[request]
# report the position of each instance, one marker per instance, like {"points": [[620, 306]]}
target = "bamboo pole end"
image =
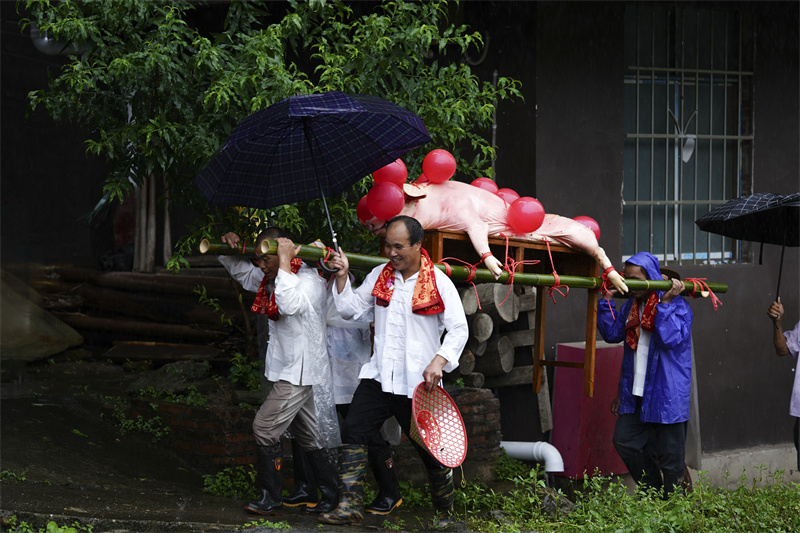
{"points": [[205, 245]]}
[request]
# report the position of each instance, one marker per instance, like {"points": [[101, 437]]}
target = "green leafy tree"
{"points": [[160, 96]]}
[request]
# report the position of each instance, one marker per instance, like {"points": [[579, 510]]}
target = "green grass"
{"points": [[764, 504]]}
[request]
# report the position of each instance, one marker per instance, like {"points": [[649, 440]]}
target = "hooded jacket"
{"points": [[668, 379]]}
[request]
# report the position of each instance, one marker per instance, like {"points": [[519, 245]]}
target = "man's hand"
{"points": [[286, 252], [433, 373], [775, 310], [677, 287], [615, 406], [231, 239], [339, 261]]}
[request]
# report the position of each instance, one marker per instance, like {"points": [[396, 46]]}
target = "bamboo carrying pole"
{"points": [[460, 273]]}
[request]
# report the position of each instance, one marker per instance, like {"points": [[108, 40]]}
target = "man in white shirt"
{"points": [[788, 342], [413, 304], [293, 296]]}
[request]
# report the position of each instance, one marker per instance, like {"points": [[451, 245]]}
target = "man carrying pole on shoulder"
{"points": [[293, 297], [656, 376], [413, 304]]}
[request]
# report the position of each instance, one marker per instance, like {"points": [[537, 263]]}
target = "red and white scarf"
{"points": [[648, 320], [426, 299], [265, 304]]}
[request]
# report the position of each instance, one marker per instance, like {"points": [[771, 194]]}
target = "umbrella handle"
{"points": [[325, 268]]}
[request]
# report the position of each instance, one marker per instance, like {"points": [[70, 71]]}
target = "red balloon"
{"points": [[507, 194], [423, 178], [395, 172], [439, 165], [525, 214], [385, 200], [362, 210], [485, 184], [590, 223]]}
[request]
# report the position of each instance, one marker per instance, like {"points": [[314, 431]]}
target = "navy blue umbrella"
{"points": [[761, 217], [308, 146]]}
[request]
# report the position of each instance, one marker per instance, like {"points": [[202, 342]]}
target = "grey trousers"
{"points": [[288, 406]]}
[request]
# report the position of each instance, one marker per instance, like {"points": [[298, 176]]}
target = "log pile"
{"points": [[492, 311], [146, 313]]}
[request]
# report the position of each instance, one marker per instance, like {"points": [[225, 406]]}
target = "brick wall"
{"points": [[211, 437], [218, 437]]}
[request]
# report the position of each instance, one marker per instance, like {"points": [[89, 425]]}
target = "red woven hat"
{"points": [[437, 426]]}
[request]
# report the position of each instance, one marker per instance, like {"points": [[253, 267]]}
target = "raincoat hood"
{"points": [[649, 263]]}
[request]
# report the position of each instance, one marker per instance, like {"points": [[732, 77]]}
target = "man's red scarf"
{"points": [[265, 304], [426, 299], [648, 321]]}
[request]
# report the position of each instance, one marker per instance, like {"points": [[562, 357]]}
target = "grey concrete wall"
{"points": [[577, 104]]}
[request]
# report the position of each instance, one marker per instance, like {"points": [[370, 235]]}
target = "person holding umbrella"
{"points": [[652, 404], [413, 304], [788, 342], [293, 296]]}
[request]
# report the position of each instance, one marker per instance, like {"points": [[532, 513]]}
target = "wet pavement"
{"points": [[63, 460]]}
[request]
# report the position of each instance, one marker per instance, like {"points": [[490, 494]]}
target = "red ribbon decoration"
{"points": [[704, 287]]}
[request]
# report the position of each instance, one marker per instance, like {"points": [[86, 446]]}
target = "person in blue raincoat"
{"points": [[655, 381]]}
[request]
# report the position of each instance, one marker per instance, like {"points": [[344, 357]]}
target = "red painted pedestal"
{"points": [[583, 426]]}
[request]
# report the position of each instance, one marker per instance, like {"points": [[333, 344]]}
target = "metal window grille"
{"points": [[688, 126]]}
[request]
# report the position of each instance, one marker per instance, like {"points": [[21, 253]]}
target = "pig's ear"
{"points": [[414, 191]]}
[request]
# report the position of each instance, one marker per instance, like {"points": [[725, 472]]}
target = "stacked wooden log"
{"points": [[491, 308], [141, 313]]}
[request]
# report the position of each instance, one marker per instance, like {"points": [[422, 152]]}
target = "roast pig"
{"points": [[457, 206]]}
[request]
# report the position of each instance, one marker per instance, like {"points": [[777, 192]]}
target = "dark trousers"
{"points": [[370, 408], [653, 453], [377, 444]]}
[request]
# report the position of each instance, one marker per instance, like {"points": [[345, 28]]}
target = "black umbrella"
{"points": [[761, 217], [308, 146]]}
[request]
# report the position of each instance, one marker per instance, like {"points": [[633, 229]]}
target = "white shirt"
{"points": [[793, 343], [297, 350], [349, 348], [405, 342], [640, 358]]}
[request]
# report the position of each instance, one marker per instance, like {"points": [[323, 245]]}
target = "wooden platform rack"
{"points": [[442, 244]]}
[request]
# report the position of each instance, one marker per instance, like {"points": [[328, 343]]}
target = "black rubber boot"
{"points": [[305, 492], [443, 494], [352, 472], [388, 498], [324, 464], [268, 480]]}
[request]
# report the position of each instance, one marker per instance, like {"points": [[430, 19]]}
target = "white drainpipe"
{"points": [[541, 452]]}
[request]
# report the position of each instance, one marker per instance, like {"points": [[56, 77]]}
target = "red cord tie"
{"points": [[448, 270], [556, 280], [244, 245], [703, 288], [604, 291], [510, 266]]}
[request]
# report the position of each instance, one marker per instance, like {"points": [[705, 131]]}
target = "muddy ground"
{"points": [[63, 461]]}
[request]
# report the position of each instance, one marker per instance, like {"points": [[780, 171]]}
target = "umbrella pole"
{"points": [[328, 215], [780, 271], [310, 141]]}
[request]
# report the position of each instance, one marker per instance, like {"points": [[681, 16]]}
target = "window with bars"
{"points": [[688, 128]]}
